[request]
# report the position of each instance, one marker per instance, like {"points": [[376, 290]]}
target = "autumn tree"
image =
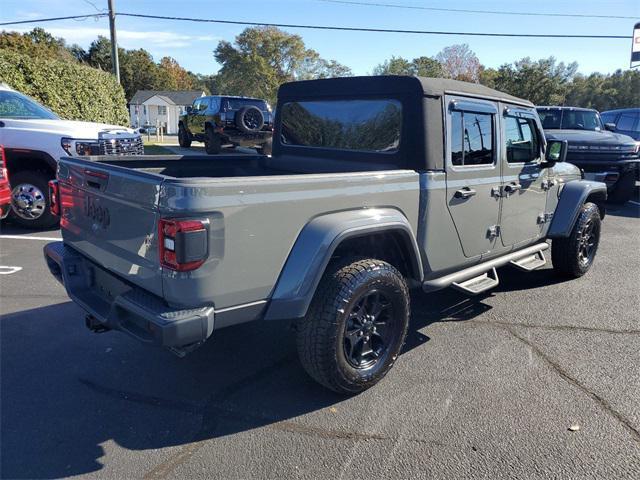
{"points": [[460, 63]]}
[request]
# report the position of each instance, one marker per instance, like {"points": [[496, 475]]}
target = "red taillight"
{"points": [[3, 165], [183, 244], [54, 197]]}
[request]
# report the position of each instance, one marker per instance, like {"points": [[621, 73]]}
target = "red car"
{"points": [[5, 189]]}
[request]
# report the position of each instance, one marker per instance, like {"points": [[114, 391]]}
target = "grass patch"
{"points": [[151, 149]]}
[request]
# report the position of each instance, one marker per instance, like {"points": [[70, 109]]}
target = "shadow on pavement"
{"points": [[66, 392]]}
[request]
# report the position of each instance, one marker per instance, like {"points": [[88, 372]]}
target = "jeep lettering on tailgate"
{"points": [[96, 212]]}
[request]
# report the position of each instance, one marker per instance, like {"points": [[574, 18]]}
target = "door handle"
{"points": [[465, 192], [512, 187]]}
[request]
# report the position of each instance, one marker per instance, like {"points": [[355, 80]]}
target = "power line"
{"points": [[53, 19], [376, 30], [463, 10], [324, 27]]}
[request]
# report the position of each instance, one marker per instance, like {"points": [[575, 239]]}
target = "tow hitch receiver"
{"points": [[94, 325]]}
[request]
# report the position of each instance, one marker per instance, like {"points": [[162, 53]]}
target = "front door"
{"points": [[197, 116], [524, 195], [473, 173]]}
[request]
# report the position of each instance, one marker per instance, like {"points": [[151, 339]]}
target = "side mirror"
{"points": [[556, 152], [610, 126], [189, 109]]}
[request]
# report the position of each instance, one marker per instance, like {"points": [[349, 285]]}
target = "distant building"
{"points": [[161, 107]]}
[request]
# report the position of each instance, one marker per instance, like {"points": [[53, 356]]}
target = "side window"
{"points": [[608, 117], [214, 104], [471, 138], [626, 121], [521, 139]]}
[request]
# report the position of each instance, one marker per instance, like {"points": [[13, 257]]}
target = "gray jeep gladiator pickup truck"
{"points": [[377, 185]]}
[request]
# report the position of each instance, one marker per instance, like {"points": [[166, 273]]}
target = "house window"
{"points": [[162, 110], [144, 109]]}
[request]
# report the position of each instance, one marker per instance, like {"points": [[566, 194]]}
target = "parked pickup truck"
{"points": [[594, 147], [377, 185], [34, 138]]}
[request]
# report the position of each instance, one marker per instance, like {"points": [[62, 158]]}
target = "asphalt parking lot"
{"points": [[486, 387]]}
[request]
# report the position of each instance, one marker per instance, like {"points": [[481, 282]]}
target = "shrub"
{"points": [[73, 91]]}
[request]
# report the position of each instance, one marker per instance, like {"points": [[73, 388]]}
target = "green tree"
{"points": [[262, 58], [37, 43], [420, 67], [543, 82]]}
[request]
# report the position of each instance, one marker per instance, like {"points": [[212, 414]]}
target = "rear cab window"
{"points": [[373, 125]]}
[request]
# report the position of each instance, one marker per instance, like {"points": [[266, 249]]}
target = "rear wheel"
{"points": [[356, 325], [212, 142], [30, 205], [184, 137], [624, 188], [574, 255]]}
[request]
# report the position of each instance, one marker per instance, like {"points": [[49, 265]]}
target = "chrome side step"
{"points": [[530, 263], [478, 284]]}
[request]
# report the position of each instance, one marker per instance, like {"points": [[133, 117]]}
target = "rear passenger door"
{"points": [[473, 173], [523, 192]]}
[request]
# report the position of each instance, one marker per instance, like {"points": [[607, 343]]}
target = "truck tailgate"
{"points": [[110, 214]]}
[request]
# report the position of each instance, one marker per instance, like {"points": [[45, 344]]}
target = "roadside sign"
{"points": [[635, 47]]}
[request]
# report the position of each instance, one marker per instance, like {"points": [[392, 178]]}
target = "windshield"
{"points": [[563, 118], [16, 105]]}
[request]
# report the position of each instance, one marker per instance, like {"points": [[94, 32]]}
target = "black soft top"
{"points": [[393, 84]]}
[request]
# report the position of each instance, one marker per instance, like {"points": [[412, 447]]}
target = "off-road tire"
{"points": [[566, 252], [249, 119], [212, 142], [321, 335], [266, 148], [184, 137], [623, 189], [41, 181]]}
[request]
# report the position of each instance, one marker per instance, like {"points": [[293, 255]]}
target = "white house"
{"points": [[161, 107]]}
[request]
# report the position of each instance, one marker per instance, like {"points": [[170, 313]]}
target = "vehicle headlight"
{"points": [[80, 147]]}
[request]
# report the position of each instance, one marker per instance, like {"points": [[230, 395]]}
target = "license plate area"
{"points": [[105, 285]]}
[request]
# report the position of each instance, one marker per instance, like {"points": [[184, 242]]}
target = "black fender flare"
{"points": [[315, 245], [572, 196]]}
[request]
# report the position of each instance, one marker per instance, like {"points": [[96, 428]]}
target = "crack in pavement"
{"points": [[604, 404]]}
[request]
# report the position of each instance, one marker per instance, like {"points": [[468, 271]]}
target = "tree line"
{"points": [[262, 58]]}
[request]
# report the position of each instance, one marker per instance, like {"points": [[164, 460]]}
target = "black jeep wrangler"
{"points": [[220, 120]]}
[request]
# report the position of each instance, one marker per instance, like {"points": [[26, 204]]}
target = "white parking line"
{"points": [[9, 270], [635, 203], [25, 237]]}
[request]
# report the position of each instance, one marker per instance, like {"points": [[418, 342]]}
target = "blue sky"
{"points": [[192, 44]]}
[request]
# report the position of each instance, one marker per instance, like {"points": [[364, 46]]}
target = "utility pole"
{"points": [[114, 42]]}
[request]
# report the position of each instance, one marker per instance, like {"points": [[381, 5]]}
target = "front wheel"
{"points": [[265, 148], [212, 142], [574, 255], [624, 188], [184, 138], [356, 325], [30, 205]]}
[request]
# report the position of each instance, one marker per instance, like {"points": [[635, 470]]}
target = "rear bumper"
{"points": [[115, 304]]}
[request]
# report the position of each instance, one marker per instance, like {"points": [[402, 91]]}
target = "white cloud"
{"points": [[127, 38]]}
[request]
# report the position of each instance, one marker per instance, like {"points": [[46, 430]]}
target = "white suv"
{"points": [[34, 138]]}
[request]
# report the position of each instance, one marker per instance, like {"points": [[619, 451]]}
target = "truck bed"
{"points": [[192, 166]]}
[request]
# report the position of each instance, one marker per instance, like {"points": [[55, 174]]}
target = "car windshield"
{"points": [[16, 105], [565, 119]]}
